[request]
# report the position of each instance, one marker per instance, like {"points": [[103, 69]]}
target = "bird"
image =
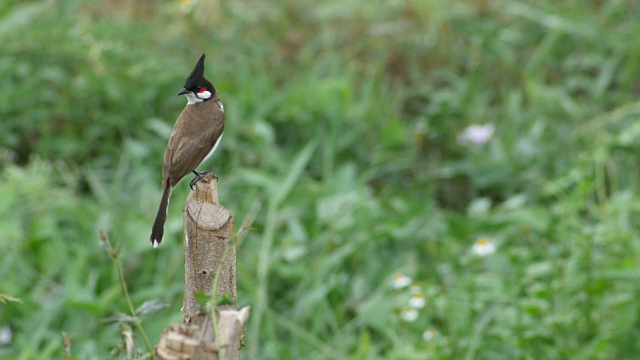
{"points": [[194, 138]]}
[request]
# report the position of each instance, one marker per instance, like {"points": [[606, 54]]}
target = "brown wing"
{"points": [[194, 135]]}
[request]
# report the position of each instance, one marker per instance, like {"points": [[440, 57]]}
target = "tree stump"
{"points": [[209, 253]]}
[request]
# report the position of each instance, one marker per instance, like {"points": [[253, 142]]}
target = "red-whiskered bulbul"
{"points": [[194, 138]]}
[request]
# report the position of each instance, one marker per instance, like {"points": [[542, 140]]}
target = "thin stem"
{"points": [[264, 262], [138, 324], [114, 254]]}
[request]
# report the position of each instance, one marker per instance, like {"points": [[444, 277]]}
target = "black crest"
{"points": [[196, 76]]}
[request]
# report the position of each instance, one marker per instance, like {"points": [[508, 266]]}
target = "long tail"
{"points": [[158, 225]]}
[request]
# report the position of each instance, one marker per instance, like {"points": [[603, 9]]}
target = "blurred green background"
{"points": [[431, 179]]}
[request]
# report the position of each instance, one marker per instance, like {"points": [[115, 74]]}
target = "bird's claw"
{"points": [[199, 176]]}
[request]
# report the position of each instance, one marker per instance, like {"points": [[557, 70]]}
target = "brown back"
{"points": [[195, 133]]}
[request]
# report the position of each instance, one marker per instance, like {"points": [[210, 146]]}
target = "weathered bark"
{"points": [[207, 249], [195, 342], [207, 234]]}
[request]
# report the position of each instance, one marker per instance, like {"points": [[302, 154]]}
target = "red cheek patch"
{"points": [[203, 89]]}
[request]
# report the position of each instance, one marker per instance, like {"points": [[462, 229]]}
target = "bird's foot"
{"points": [[199, 176]]}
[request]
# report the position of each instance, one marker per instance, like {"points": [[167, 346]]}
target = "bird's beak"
{"points": [[183, 91]]}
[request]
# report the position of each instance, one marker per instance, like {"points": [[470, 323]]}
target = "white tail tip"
{"points": [[155, 243]]}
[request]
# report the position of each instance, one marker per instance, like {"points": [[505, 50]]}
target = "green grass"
{"points": [[343, 125]]}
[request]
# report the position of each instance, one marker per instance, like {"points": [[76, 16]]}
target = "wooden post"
{"points": [[207, 234], [208, 249]]}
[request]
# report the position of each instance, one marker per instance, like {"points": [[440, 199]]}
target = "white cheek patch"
{"points": [[192, 99], [204, 95]]}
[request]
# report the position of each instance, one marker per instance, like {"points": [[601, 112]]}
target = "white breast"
{"points": [[215, 146]]}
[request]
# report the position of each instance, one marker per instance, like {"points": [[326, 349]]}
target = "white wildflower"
{"points": [[6, 335], [400, 281], [483, 247], [477, 134], [409, 314], [417, 301], [429, 334]]}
